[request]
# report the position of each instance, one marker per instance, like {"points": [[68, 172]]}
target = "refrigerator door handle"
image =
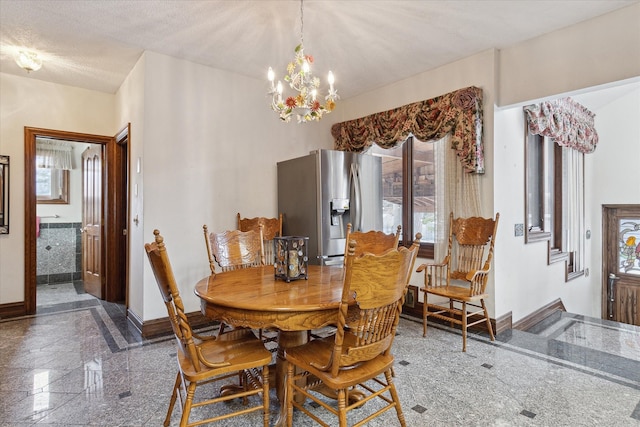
{"points": [[357, 217]]}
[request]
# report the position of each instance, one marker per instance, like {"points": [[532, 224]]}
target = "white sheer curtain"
{"points": [[457, 191], [53, 154], [575, 229]]}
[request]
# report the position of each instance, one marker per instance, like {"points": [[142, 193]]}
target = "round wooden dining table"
{"points": [[255, 298]]}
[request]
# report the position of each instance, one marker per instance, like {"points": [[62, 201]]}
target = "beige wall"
{"points": [[193, 133], [32, 103], [589, 54], [478, 70], [524, 281]]}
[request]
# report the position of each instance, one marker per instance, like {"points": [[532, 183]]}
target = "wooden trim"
{"points": [[115, 196], [162, 326], [502, 323], [134, 320], [12, 309], [539, 315], [30, 265]]}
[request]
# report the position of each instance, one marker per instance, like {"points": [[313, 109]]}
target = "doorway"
{"points": [[621, 263], [114, 242]]}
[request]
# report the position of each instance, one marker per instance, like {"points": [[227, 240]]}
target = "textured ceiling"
{"points": [[367, 44]]}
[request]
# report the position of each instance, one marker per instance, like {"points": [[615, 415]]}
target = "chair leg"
{"points": [[191, 391], [464, 326], [288, 395], [451, 308], [486, 316], [395, 398], [265, 395], [342, 407], [425, 309], [172, 402]]}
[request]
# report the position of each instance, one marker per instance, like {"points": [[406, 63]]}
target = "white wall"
{"points": [[589, 54], [71, 212], [477, 70], [33, 103], [524, 281], [209, 145]]}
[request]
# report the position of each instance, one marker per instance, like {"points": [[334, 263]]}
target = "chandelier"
{"points": [[304, 101]]}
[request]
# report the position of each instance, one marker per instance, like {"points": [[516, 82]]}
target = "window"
{"points": [[408, 187], [52, 186], [53, 162], [554, 204]]}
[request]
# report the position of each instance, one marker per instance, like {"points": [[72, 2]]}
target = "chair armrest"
{"points": [[435, 275], [478, 281]]}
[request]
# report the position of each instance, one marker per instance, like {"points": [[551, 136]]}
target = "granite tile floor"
{"points": [[78, 363]]}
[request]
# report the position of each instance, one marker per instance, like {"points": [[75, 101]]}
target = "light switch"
{"points": [[518, 230]]}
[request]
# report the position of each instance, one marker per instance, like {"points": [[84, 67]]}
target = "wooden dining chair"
{"points": [[271, 227], [203, 360], [352, 359], [234, 249], [462, 276], [375, 242]]}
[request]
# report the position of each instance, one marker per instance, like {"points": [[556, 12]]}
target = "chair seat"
{"points": [[321, 349], [456, 292], [242, 353]]}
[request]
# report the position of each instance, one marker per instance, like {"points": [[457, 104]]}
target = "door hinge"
{"points": [[124, 232]]}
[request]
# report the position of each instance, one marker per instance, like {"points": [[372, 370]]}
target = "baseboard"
{"points": [[134, 320], [162, 326], [539, 315], [12, 309], [502, 323]]}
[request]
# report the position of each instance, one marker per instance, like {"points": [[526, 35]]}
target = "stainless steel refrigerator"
{"points": [[319, 194]]}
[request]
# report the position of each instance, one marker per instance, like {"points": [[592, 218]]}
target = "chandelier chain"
{"points": [[301, 23]]}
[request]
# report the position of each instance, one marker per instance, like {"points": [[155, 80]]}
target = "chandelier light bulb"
{"points": [[28, 60], [271, 75]]}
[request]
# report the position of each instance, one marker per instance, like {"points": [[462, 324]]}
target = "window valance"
{"points": [[568, 122], [458, 113], [53, 154]]}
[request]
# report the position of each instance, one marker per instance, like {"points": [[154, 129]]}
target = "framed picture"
{"points": [[412, 297]]}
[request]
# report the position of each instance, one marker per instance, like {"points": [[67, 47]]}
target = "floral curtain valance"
{"points": [[568, 122], [53, 154], [458, 113]]}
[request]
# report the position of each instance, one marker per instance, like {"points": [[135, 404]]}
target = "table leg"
{"points": [[286, 339]]}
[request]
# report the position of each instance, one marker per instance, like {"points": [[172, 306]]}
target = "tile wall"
{"points": [[59, 253]]}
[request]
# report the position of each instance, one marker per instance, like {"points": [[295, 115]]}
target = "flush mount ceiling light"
{"points": [[303, 102], [28, 60]]}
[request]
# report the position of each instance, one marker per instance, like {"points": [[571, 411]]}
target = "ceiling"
{"points": [[367, 44]]}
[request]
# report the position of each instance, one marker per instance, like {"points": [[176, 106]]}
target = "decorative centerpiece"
{"points": [[291, 260]]}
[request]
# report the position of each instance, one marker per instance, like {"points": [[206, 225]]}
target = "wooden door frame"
{"points": [[609, 257], [115, 215]]}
